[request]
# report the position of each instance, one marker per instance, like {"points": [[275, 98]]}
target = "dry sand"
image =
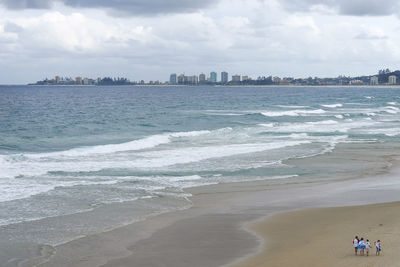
{"points": [[323, 237]]}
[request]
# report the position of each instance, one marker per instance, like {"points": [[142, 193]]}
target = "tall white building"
{"points": [[374, 81], [392, 79]]}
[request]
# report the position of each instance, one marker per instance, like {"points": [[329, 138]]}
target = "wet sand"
{"points": [[212, 232], [323, 237]]}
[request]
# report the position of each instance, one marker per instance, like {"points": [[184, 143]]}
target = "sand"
{"points": [[323, 237], [212, 233]]}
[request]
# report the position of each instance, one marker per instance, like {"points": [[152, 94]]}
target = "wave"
{"points": [[28, 167], [326, 126], [293, 113], [327, 122], [391, 110], [140, 144], [163, 158], [20, 188], [332, 105]]}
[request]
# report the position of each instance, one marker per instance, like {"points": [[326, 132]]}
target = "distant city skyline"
{"points": [[384, 77], [147, 39]]}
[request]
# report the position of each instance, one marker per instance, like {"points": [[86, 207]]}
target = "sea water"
{"points": [[83, 150]]}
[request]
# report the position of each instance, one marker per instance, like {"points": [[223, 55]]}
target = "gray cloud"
{"points": [[348, 7], [12, 27], [370, 36], [25, 4], [127, 7]]}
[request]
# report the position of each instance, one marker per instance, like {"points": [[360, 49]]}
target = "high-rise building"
{"points": [[85, 81], [245, 78], [213, 77], [78, 80], [202, 78], [224, 77], [172, 78], [236, 78], [374, 80], [392, 79], [191, 79], [181, 79], [57, 79]]}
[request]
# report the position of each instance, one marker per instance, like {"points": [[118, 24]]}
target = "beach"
{"points": [[227, 226], [128, 184], [323, 237]]}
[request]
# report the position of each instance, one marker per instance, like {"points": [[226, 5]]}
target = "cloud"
{"points": [[12, 27], [371, 33], [53, 33], [234, 35], [25, 4], [346, 7], [124, 7]]}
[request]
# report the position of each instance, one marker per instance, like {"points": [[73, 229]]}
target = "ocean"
{"points": [[82, 150]]}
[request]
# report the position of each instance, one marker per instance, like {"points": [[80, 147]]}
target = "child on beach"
{"points": [[378, 247], [355, 244], [367, 247], [361, 246]]}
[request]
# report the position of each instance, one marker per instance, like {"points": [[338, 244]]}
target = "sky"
{"points": [[150, 39]]}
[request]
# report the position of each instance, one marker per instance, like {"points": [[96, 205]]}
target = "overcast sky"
{"points": [[149, 39]]}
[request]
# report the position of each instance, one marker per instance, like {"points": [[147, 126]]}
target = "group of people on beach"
{"points": [[365, 245]]}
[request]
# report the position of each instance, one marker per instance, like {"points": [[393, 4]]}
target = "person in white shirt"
{"points": [[361, 246], [355, 244], [367, 247], [378, 247]]}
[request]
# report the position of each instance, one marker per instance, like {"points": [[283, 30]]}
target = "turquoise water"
{"points": [[67, 150]]}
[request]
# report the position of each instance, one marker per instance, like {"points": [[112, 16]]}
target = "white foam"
{"points": [[13, 189], [332, 105], [266, 124], [327, 122], [185, 178], [339, 116], [141, 159], [293, 113], [391, 110], [391, 132], [195, 154], [145, 143], [392, 103], [299, 135], [326, 126]]}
